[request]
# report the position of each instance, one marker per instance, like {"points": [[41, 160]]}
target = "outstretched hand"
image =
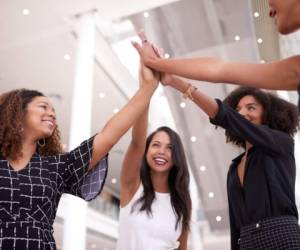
{"points": [[147, 76], [148, 52]]}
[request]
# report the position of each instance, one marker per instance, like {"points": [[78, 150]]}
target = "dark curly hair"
{"points": [[277, 113], [178, 180], [13, 105]]}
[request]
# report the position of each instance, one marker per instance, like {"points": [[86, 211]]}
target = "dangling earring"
{"points": [[42, 142]]}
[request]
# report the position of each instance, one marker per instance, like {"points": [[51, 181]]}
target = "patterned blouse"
{"points": [[29, 198]]}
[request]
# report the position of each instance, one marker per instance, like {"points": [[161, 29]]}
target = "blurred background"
{"points": [[79, 54]]}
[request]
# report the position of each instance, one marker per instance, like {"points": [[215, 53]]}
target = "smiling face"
{"points": [[159, 154], [286, 14], [39, 119], [251, 109]]}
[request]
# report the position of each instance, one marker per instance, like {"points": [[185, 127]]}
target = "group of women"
{"points": [[35, 172]]}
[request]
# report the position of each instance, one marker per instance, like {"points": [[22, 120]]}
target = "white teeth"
{"points": [[160, 161]]}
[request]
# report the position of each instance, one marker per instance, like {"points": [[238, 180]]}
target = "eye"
{"points": [[251, 108], [43, 107]]}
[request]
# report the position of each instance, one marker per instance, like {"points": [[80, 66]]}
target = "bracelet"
{"points": [[188, 93]]}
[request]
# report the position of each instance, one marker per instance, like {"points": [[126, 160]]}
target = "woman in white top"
{"points": [[155, 200]]}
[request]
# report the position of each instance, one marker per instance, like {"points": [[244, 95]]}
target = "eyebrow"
{"points": [[169, 144], [249, 104]]}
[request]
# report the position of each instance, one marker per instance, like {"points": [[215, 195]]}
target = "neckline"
{"points": [[11, 168]]}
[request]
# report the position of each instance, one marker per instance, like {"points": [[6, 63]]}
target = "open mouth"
{"points": [[160, 161]]}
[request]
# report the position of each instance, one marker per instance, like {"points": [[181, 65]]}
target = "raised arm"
{"points": [[130, 172], [119, 124], [283, 74]]}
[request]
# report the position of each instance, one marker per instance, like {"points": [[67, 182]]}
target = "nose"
{"points": [[52, 114], [243, 112]]}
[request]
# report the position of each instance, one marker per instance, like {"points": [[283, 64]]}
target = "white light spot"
{"points": [[202, 168], [25, 12], [116, 110], [67, 57], [182, 105], [113, 180], [211, 195], [146, 14], [259, 40], [167, 55], [101, 95], [237, 38], [193, 138], [218, 218]]}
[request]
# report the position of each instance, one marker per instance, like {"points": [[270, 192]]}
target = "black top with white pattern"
{"points": [[29, 198]]}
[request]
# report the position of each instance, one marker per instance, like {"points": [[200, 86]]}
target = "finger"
{"points": [[155, 49], [142, 36], [137, 46]]}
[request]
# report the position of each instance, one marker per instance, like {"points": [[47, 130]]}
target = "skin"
{"points": [[159, 151], [40, 121], [253, 111], [281, 75]]}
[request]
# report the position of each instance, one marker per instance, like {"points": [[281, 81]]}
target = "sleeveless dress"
{"points": [[140, 231]]}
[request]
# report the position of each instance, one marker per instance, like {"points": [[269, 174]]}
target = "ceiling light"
{"points": [[167, 55], [202, 168], [262, 61], [256, 14], [211, 195], [116, 111], [259, 40], [218, 218], [146, 14], [193, 138], [25, 12], [101, 95], [182, 105], [237, 38], [67, 57], [113, 180]]}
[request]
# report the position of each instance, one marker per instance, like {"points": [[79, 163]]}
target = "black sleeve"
{"points": [[269, 140], [234, 231]]}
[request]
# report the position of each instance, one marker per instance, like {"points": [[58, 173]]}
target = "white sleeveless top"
{"points": [[138, 231]]}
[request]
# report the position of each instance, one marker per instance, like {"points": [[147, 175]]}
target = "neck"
{"points": [[160, 182], [248, 146], [28, 148]]}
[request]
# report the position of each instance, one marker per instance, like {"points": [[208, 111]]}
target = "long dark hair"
{"points": [[178, 180], [13, 107], [278, 114]]}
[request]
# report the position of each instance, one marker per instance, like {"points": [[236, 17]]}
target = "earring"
{"points": [[42, 142]]}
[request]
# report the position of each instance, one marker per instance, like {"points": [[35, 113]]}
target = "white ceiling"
{"points": [[32, 48]]}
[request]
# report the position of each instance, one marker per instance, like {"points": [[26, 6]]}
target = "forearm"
{"points": [[203, 69], [139, 130], [119, 124], [203, 101]]}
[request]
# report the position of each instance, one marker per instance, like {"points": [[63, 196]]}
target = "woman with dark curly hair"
{"points": [[34, 171], [154, 188], [260, 181]]}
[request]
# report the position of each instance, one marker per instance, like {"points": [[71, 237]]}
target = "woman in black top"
{"points": [[261, 181], [282, 74], [34, 171]]}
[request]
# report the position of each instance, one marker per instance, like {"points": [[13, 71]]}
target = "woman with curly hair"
{"points": [[260, 181], [154, 188], [34, 171]]}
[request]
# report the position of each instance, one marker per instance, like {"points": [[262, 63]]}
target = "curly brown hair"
{"points": [[13, 105], [278, 114]]}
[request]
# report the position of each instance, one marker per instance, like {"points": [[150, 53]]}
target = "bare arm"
{"points": [[119, 124], [283, 74], [203, 101], [183, 239], [130, 172]]}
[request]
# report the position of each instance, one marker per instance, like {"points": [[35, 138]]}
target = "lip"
{"points": [[160, 161], [49, 123]]}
